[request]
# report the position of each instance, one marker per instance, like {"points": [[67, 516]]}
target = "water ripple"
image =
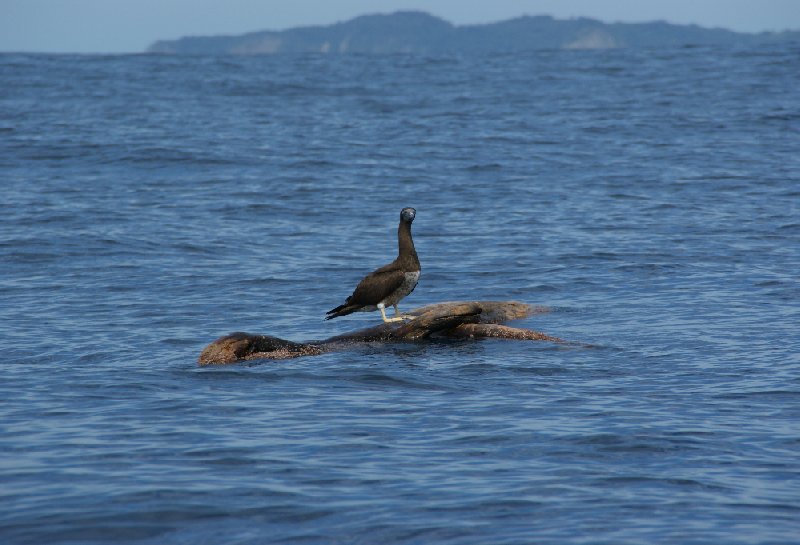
{"points": [[646, 197]]}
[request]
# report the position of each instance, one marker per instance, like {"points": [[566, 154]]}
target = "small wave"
{"points": [[383, 380], [766, 395], [637, 481]]}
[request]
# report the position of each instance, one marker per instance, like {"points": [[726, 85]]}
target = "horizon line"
{"points": [[143, 50]]}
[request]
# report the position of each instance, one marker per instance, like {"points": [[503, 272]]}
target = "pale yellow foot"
{"points": [[391, 320], [398, 316], [387, 319]]}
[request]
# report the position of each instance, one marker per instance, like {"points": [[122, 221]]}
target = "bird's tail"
{"points": [[341, 310]]}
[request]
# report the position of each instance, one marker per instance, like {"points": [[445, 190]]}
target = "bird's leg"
{"points": [[401, 316], [382, 308]]}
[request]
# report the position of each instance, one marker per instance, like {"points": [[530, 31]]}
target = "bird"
{"points": [[388, 285]]}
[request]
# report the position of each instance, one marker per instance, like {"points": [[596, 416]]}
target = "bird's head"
{"points": [[407, 214]]}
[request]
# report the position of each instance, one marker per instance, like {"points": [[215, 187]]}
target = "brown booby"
{"points": [[389, 284]]}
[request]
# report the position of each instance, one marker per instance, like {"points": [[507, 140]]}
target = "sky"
{"points": [[129, 26]]}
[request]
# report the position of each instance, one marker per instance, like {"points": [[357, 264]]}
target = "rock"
{"points": [[457, 319]]}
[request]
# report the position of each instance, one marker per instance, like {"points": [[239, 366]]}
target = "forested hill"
{"points": [[418, 32]]}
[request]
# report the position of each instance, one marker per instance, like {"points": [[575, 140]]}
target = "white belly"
{"points": [[408, 285]]}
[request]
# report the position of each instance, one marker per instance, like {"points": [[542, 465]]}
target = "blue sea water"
{"points": [[153, 203]]}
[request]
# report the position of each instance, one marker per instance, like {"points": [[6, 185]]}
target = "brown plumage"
{"points": [[389, 284]]}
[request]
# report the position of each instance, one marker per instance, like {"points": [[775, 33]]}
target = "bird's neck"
{"points": [[408, 255]]}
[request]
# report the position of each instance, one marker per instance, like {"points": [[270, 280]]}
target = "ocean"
{"points": [[649, 198]]}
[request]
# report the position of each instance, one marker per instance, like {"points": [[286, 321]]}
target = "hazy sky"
{"points": [[115, 26]]}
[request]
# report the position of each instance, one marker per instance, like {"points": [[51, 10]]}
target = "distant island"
{"points": [[419, 32]]}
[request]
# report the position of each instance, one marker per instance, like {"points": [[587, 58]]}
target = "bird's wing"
{"points": [[377, 286]]}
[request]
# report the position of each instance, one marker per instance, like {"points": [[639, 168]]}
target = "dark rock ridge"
{"points": [[418, 32]]}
